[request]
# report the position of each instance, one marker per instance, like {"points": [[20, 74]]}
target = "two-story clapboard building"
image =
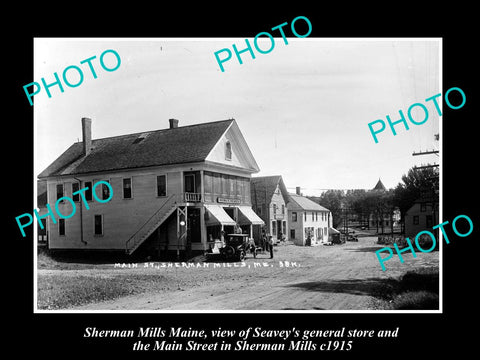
{"points": [[177, 189], [269, 200], [310, 223]]}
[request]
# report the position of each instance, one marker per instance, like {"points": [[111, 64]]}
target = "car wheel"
{"points": [[242, 255], [229, 251]]}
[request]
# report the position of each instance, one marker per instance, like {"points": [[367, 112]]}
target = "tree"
{"points": [[416, 184], [356, 202], [332, 200]]}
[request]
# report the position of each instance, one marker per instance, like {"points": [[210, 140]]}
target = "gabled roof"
{"points": [[298, 202], [263, 187], [184, 144]]}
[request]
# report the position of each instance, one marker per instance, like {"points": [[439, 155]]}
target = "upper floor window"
{"points": [[105, 191], [88, 192], [423, 207], [59, 191], [294, 216], [127, 188], [228, 150], [162, 185], [75, 188]]}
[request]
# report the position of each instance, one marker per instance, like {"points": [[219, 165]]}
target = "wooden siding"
{"points": [[301, 224], [412, 229], [241, 156], [122, 217]]}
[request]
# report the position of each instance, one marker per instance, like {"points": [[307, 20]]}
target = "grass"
{"points": [[60, 292], [71, 260], [415, 290], [63, 291]]}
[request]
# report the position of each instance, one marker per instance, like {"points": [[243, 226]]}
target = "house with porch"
{"points": [[174, 190], [269, 200], [309, 222]]}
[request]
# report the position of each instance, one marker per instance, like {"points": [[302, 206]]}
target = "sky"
{"points": [[303, 108]]}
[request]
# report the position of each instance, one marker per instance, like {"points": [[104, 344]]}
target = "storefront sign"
{"points": [[228, 201]]}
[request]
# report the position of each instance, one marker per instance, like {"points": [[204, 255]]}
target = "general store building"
{"points": [[174, 190]]}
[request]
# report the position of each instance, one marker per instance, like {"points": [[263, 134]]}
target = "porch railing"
{"points": [[192, 197]]}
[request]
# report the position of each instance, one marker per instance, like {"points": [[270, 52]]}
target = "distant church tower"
{"points": [[379, 186]]}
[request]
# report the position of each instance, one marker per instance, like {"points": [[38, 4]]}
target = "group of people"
{"points": [[267, 242]]}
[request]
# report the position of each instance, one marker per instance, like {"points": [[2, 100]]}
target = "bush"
{"points": [[425, 242], [426, 279], [415, 290]]}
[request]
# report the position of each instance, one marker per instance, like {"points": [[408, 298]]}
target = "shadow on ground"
{"points": [[313, 308], [365, 249], [416, 290], [380, 288]]}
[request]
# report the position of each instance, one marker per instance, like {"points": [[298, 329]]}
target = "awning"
{"points": [[217, 216], [333, 231], [247, 216]]}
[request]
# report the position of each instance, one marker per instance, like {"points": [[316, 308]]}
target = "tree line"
{"points": [[361, 205]]}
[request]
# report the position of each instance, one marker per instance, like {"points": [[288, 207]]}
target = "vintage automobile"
{"points": [[236, 246]]}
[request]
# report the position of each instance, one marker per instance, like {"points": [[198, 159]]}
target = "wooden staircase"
{"points": [[152, 224]]}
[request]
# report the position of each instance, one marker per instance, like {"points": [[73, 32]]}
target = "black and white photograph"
{"points": [[296, 180], [228, 181]]}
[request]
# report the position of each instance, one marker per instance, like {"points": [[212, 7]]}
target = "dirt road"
{"points": [[341, 277]]}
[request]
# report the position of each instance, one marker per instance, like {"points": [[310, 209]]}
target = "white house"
{"points": [[309, 222]]}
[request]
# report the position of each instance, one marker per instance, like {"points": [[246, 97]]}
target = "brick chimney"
{"points": [[173, 123], [297, 190], [87, 135]]}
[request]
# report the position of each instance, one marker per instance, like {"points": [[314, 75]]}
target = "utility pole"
{"points": [[432, 192], [425, 152], [428, 152], [426, 166]]}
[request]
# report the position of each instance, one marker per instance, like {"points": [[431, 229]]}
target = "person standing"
{"points": [[264, 239], [270, 245]]}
